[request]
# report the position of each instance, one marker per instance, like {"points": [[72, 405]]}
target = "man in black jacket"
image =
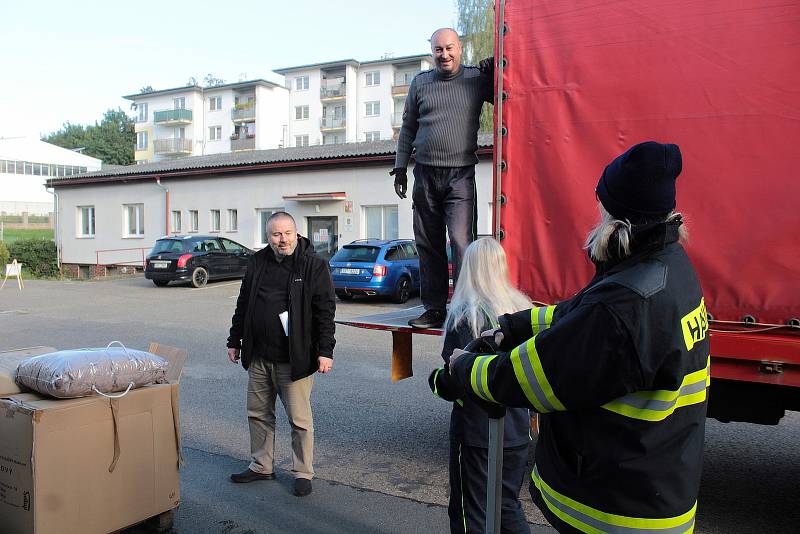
{"points": [[282, 330]]}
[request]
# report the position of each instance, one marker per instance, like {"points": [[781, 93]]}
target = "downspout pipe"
{"points": [[166, 197], [56, 224]]}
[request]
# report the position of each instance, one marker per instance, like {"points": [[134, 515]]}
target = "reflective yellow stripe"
{"points": [[594, 521], [659, 404], [530, 375], [435, 385], [479, 377], [541, 317]]}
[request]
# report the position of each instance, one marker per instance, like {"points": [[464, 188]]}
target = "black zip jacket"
{"points": [[312, 306], [619, 372]]}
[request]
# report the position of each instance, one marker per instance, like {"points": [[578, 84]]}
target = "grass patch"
{"points": [[15, 234]]}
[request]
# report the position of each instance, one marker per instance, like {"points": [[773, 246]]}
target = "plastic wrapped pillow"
{"points": [[83, 372]]}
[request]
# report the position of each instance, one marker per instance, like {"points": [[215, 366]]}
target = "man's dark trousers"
{"points": [[443, 197]]}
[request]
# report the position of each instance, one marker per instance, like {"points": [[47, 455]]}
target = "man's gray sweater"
{"points": [[441, 118]]}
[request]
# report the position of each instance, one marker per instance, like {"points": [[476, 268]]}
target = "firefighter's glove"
{"points": [[442, 385], [400, 181], [486, 66]]}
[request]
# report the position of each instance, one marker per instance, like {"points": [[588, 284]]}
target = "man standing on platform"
{"points": [[440, 122]]}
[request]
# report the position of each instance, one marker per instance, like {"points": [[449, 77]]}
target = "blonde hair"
{"points": [[483, 291], [597, 242]]}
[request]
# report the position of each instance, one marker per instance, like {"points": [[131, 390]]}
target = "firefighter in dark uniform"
{"points": [[619, 372]]}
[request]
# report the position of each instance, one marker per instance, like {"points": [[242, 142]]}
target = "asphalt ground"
{"points": [[381, 448]]}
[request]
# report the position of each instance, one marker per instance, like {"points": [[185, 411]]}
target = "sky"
{"points": [[71, 61]]}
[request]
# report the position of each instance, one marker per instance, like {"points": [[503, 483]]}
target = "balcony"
{"points": [[244, 112], [173, 146], [327, 124], [400, 89], [397, 119], [244, 143], [333, 90], [173, 116]]}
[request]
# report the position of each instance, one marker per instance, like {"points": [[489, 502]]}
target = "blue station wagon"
{"points": [[376, 267]]}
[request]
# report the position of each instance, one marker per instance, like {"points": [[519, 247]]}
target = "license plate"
{"points": [[349, 271], [159, 264]]}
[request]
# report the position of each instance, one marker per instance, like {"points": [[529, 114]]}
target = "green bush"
{"points": [[36, 255], [4, 255]]}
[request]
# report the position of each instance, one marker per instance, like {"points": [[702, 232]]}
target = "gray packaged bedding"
{"points": [[82, 372]]}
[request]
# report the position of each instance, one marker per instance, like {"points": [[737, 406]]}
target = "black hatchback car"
{"points": [[195, 259]]}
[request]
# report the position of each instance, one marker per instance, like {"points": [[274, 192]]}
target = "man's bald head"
{"points": [[446, 50]]}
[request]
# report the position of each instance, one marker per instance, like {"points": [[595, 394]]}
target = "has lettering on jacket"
{"points": [[695, 325]]}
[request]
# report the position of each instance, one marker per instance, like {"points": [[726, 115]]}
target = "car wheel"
{"points": [[402, 291], [199, 277], [160, 283]]}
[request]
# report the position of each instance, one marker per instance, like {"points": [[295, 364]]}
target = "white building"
{"points": [[325, 103], [25, 165], [196, 121], [337, 194], [347, 101]]}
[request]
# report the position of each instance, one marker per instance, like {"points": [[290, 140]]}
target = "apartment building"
{"points": [[349, 101], [197, 121]]}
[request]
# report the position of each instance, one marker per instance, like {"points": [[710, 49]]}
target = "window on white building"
{"points": [[373, 78], [373, 108], [177, 227], [179, 103], [233, 220], [142, 112], [134, 220], [194, 220], [141, 141], [214, 221], [86, 221], [373, 136], [214, 133], [215, 103], [263, 216], [380, 222], [300, 112], [301, 83], [332, 139], [300, 140]]}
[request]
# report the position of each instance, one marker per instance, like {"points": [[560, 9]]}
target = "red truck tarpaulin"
{"points": [[585, 80]]}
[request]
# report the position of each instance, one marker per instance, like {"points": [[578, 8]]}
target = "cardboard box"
{"points": [[90, 465]]}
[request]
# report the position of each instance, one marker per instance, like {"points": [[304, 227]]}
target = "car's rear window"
{"points": [[168, 245], [357, 253]]}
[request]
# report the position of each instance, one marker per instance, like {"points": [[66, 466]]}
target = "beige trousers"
{"points": [[266, 381]]}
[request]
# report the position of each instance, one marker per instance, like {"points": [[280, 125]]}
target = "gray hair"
{"points": [[483, 291], [280, 215], [597, 242]]}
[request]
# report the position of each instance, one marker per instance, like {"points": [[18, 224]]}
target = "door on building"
{"points": [[324, 235]]}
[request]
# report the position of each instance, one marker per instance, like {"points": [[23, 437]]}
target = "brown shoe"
{"points": [[251, 476]]}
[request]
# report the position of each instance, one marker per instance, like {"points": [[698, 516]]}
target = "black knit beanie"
{"points": [[639, 185]]}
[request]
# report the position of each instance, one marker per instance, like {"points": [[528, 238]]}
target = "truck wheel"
{"points": [[402, 291], [160, 283], [199, 277]]}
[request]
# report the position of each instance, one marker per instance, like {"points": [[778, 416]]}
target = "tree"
{"points": [[112, 140], [476, 26], [211, 81], [146, 89]]}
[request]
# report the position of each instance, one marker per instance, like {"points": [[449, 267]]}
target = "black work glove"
{"points": [[486, 66], [442, 385], [400, 181]]}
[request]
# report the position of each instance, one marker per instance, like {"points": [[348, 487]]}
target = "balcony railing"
{"points": [[173, 116], [173, 146], [243, 143], [332, 123], [400, 89], [242, 112], [333, 90], [397, 119]]}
